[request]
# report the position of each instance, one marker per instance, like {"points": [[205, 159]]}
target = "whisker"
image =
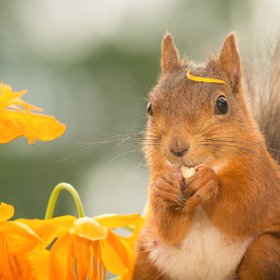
{"points": [[104, 158], [116, 121], [145, 89], [240, 148], [136, 97], [129, 166]]}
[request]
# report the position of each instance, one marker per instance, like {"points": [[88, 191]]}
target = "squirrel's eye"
{"points": [[150, 110], [221, 106]]}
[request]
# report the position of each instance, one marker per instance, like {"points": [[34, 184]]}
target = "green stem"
{"points": [[130, 228], [54, 195]]}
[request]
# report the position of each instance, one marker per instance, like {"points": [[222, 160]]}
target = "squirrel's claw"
{"points": [[167, 188], [200, 188]]}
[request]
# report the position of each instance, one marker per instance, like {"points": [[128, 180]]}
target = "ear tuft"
{"points": [[170, 58], [230, 59]]}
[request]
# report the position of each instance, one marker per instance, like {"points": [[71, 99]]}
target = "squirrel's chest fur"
{"points": [[205, 254]]}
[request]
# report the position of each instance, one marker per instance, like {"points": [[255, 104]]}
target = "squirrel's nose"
{"points": [[178, 148]]}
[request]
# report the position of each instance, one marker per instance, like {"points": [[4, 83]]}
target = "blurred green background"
{"points": [[91, 65]]}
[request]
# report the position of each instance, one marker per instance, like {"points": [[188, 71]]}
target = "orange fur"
{"points": [[237, 182], [262, 260]]}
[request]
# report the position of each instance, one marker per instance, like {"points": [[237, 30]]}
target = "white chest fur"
{"points": [[205, 254]]}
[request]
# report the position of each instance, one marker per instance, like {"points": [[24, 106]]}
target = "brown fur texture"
{"points": [[237, 182]]}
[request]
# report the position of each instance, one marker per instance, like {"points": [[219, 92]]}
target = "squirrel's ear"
{"points": [[169, 58], [230, 59]]}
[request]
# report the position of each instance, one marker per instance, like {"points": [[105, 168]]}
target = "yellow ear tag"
{"points": [[201, 79]]}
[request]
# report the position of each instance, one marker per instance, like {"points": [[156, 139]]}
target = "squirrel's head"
{"points": [[194, 122]]}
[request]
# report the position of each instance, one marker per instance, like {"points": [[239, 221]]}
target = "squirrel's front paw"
{"points": [[201, 187], [167, 188]]}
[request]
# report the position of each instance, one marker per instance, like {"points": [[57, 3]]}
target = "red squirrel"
{"points": [[223, 223]]}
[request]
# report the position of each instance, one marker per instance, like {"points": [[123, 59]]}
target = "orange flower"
{"points": [[22, 255], [86, 247], [16, 119]]}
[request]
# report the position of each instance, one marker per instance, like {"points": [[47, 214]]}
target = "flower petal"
{"points": [[50, 229], [59, 256], [82, 253], [116, 221], [9, 130], [4, 260], [8, 98], [44, 128], [6, 211], [138, 226], [88, 228], [29, 222], [30, 125], [39, 260], [19, 237], [116, 254], [7, 94], [33, 265]]}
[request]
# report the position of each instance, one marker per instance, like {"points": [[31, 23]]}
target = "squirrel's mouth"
{"points": [[175, 163], [191, 165]]}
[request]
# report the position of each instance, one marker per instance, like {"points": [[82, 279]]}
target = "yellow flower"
{"points": [[22, 255], [86, 247], [16, 119]]}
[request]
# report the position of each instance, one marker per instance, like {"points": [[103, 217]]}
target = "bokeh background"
{"points": [[91, 64]]}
